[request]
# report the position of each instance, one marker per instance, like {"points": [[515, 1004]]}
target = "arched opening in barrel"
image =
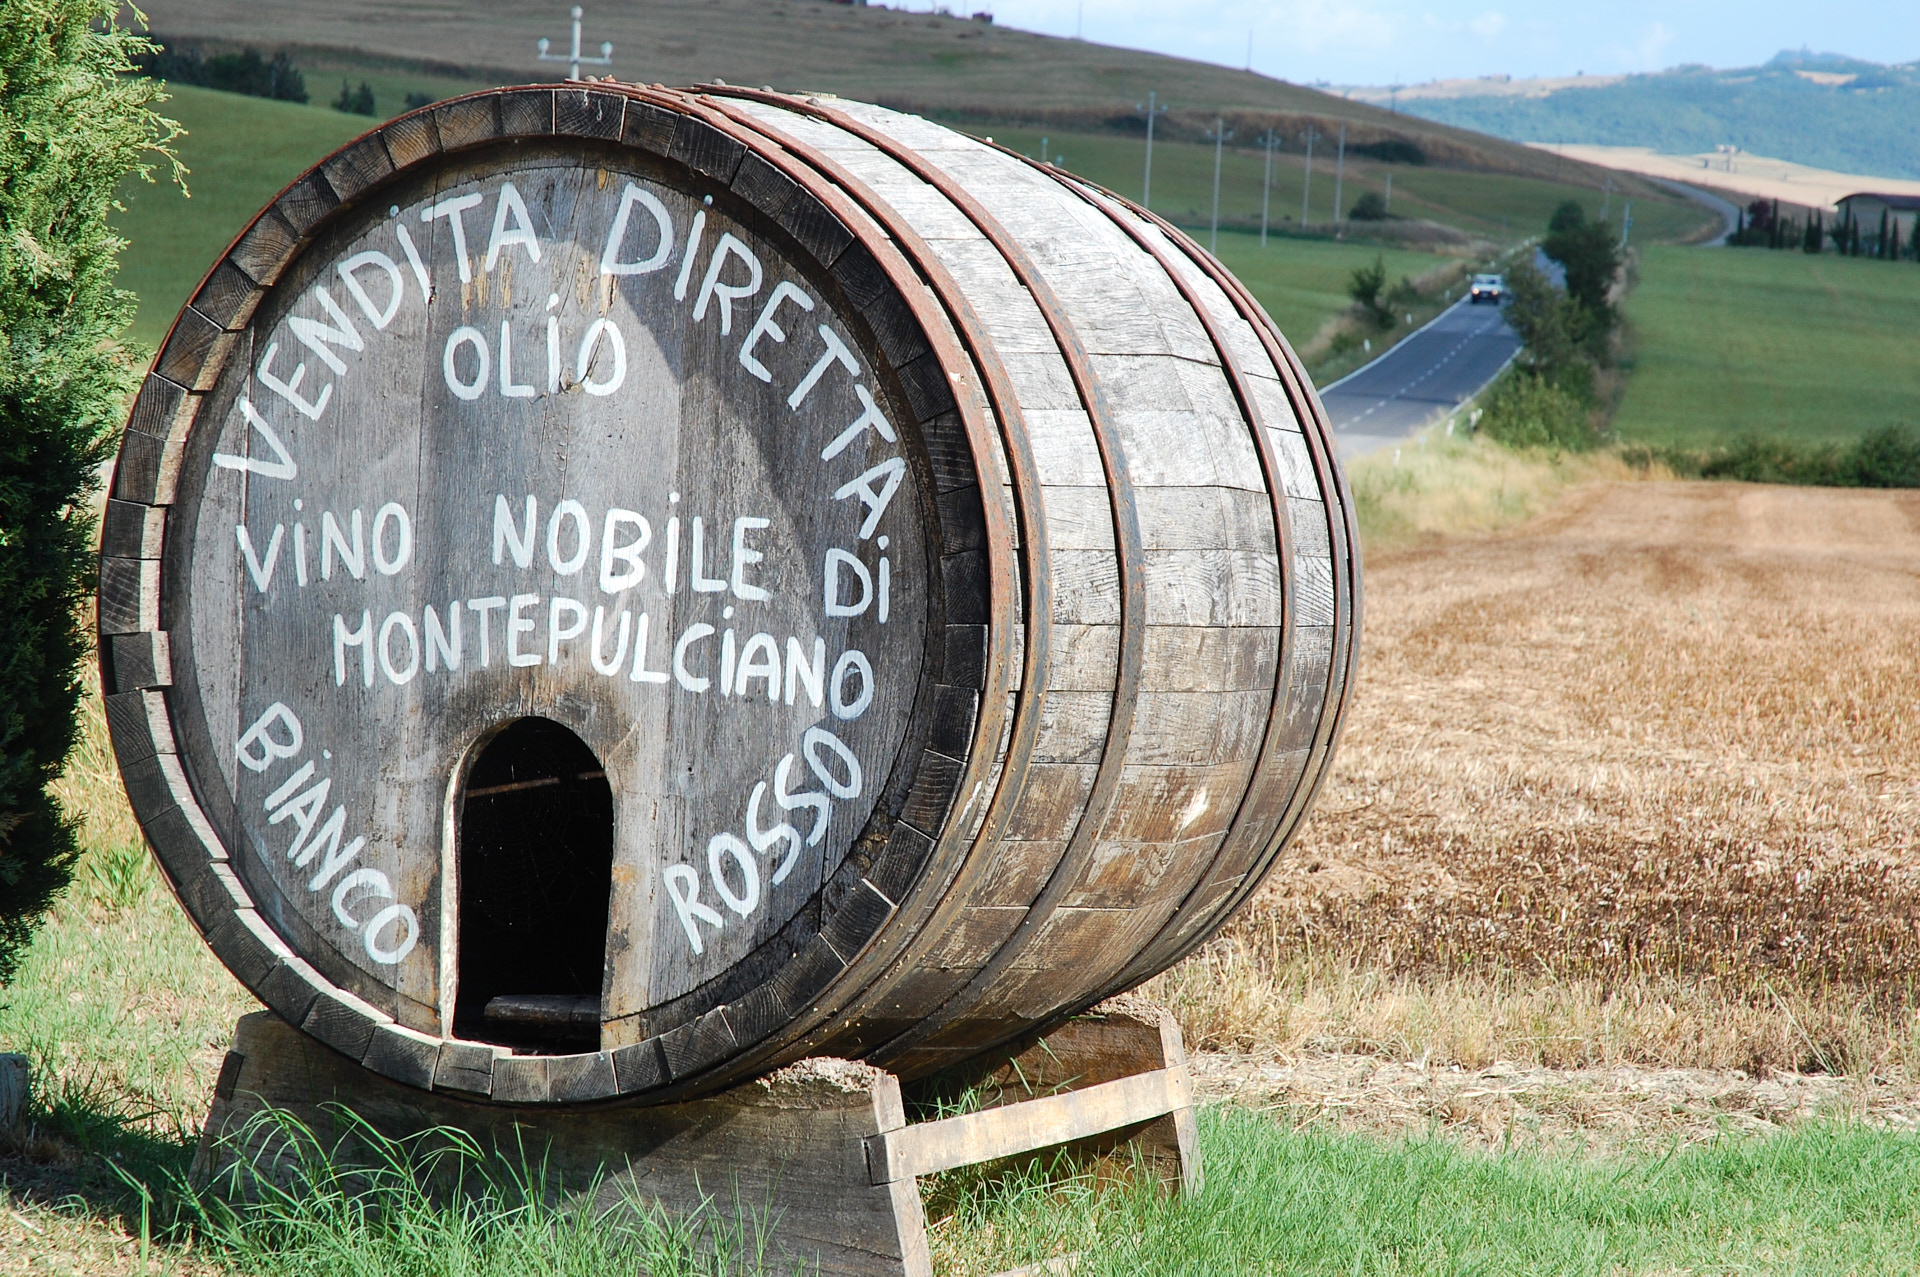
{"points": [[535, 859]]}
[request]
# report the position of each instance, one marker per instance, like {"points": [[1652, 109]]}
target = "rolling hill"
{"points": [[1822, 110], [947, 67]]}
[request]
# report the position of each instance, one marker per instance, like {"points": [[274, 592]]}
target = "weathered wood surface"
{"points": [[820, 1152], [1123, 1038], [752, 439], [787, 1152]]}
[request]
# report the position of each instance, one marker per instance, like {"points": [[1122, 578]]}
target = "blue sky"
{"points": [[1384, 41]]}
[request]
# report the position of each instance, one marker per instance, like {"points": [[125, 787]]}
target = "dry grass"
{"points": [[1633, 782], [1442, 482]]}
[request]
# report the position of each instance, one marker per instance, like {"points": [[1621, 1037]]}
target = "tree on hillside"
{"points": [[73, 123], [1553, 330], [1365, 285], [1590, 252], [1568, 216]]}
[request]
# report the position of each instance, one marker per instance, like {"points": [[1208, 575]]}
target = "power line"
{"points": [[1339, 175], [1306, 187], [1269, 139], [1151, 111], [1220, 134]]}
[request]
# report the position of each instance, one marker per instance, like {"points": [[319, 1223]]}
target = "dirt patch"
{"points": [[1599, 1109]]}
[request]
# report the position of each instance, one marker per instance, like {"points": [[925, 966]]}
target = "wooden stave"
{"points": [[784, 1039], [1280, 371]]}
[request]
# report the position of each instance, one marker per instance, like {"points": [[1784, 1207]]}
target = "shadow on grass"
{"points": [[358, 1203], [77, 1147]]}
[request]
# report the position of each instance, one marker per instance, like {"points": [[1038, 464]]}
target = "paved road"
{"points": [[1420, 380], [1729, 211]]}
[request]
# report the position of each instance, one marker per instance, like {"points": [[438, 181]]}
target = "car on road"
{"points": [[1487, 288]]}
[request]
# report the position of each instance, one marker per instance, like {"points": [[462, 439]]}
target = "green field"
{"points": [[1286, 1199], [1303, 282], [241, 151], [1494, 206], [1748, 342]]}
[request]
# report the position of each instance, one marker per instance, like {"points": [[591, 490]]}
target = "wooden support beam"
{"points": [[821, 1150], [930, 1147]]}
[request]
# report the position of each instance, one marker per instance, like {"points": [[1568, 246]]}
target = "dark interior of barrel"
{"points": [[535, 860]]}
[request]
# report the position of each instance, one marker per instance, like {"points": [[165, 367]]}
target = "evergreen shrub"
{"points": [[74, 121]]}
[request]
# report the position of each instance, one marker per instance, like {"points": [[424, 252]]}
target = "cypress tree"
{"points": [[74, 121]]}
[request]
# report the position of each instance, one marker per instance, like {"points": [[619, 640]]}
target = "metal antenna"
{"points": [[1220, 134], [1269, 139], [574, 59], [1150, 110]]}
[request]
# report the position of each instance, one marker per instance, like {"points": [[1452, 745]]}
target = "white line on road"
{"points": [[1466, 339]]}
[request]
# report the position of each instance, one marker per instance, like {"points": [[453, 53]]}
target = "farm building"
{"points": [[1868, 207]]}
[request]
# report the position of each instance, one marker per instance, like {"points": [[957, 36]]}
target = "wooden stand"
{"points": [[821, 1151]]}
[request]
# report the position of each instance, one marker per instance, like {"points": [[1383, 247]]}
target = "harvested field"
{"points": [[1634, 780]]}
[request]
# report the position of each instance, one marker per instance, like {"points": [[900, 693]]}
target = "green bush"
{"points": [[243, 72], [354, 101], [1370, 207], [1885, 458], [1525, 411], [73, 123], [1365, 285]]}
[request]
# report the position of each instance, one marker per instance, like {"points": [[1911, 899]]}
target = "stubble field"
{"points": [[1632, 782]]}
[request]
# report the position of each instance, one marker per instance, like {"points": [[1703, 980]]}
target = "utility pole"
{"points": [[1249, 50], [1268, 140], [574, 59], [1306, 187], [1151, 110], [1043, 150], [1389, 204], [1219, 135], [1339, 173], [1626, 224], [1079, 19]]}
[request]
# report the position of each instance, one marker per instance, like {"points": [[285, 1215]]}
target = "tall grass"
{"points": [[1447, 480], [439, 1204]]}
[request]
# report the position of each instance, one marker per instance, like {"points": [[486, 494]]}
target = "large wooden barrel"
{"points": [[610, 590]]}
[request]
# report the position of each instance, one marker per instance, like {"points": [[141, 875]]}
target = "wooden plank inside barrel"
{"points": [[614, 590]]}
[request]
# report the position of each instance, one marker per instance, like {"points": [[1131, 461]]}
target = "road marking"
{"points": [[1466, 340]]}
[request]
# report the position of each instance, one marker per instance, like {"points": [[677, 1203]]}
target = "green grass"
{"points": [[1820, 1199], [241, 151], [1493, 206], [1745, 342], [1303, 282]]}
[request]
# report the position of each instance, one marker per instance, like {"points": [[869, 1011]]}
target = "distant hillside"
{"points": [[942, 66], [1818, 109]]}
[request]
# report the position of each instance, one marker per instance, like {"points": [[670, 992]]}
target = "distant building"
{"points": [[1866, 208]]}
